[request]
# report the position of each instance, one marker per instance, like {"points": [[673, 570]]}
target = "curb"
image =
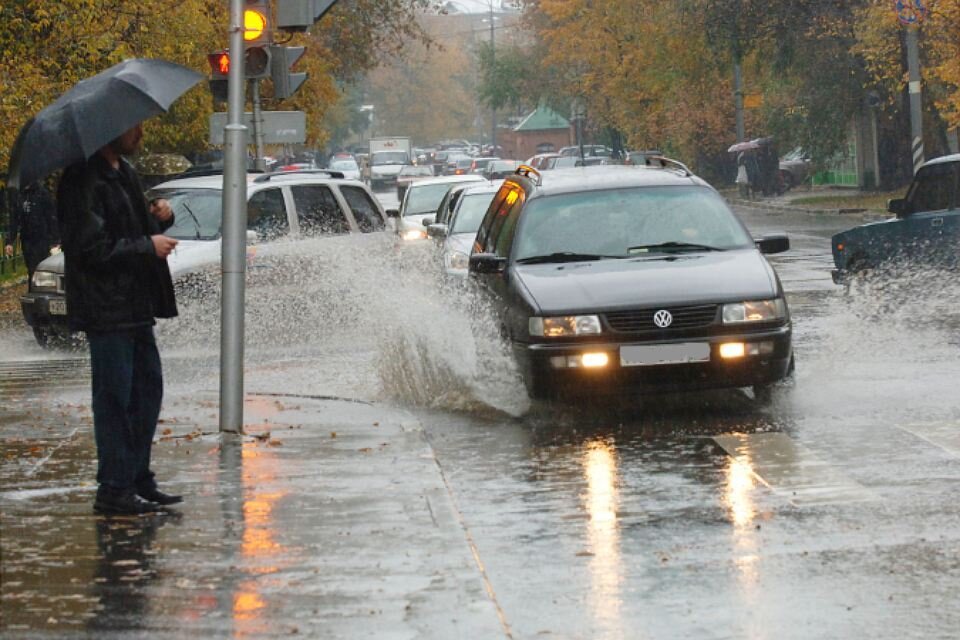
{"points": [[864, 214]]}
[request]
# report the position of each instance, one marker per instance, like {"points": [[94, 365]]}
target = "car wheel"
{"points": [[763, 393], [787, 178], [42, 336]]}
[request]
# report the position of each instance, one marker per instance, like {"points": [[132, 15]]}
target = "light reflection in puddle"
{"points": [[601, 502]]}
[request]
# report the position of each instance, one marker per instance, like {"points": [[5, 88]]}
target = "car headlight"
{"points": [[44, 280], [414, 234], [564, 326], [456, 260], [754, 311]]}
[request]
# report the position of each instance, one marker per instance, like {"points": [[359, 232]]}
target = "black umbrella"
{"points": [[94, 112]]}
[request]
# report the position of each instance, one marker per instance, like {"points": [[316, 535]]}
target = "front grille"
{"points": [[640, 320]]}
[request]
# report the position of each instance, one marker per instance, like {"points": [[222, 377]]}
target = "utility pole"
{"points": [[916, 102], [260, 163], [493, 68], [738, 100]]}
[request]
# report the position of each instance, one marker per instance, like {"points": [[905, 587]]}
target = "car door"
{"points": [[931, 225], [498, 240], [267, 214], [319, 213]]}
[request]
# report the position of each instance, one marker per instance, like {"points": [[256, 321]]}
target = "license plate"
{"points": [[657, 354], [57, 307]]}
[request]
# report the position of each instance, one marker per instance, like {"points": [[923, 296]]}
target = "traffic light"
{"points": [[256, 63], [285, 81], [297, 15], [257, 24], [219, 64]]}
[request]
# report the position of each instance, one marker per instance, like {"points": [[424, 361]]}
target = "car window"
{"points": [[470, 212], [344, 165], [935, 188], [421, 199], [267, 214], [504, 221], [624, 222], [198, 213], [318, 211], [364, 210]]}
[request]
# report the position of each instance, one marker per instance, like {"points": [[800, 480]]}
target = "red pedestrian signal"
{"points": [[219, 64]]}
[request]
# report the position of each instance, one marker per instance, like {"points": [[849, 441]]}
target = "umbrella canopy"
{"points": [[94, 112], [743, 146]]}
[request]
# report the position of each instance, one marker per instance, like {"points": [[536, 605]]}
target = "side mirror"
{"points": [[487, 263], [437, 230], [393, 213], [428, 221], [897, 206], [252, 236], [777, 243]]}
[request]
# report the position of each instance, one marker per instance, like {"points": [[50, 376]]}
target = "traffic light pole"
{"points": [[234, 247], [916, 102]]}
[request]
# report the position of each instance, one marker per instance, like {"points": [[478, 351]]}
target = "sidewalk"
{"points": [[784, 202], [329, 519]]}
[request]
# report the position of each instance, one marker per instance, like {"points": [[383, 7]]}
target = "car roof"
{"points": [[492, 187], [470, 177], [953, 157], [288, 177], [598, 178]]}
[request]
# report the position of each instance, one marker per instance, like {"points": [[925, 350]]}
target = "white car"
{"points": [[421, 201], [286, 212], [348, 167], [460, 231]]}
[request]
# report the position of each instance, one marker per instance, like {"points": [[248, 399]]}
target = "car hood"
{"points": [[192, 255], [462, 242], [608, 285]]}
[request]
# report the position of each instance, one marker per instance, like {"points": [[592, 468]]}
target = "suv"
{"points": [[925, 231], [288, 205], [631, 279]]}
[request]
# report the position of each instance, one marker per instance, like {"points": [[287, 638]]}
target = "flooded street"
{"points": [[829, 513]]}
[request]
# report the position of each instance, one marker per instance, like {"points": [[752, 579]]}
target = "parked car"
{"points": [[499, 169], [925, 230], [631, 279], [421, 201], [280, 206], [795, 168], [458, 231]]}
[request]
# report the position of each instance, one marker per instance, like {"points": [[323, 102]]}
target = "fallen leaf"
{"points": [[166, 432], [333, 434]]}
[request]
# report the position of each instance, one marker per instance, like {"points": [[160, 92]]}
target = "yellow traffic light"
{"points": [[254, 24]]}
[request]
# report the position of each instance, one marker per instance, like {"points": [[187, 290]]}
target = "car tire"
{"points": [[42, 336], [763, 393], [787, 179]]}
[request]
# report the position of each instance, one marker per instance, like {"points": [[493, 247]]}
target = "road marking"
{"points": [[790, 469], [945, 435]]}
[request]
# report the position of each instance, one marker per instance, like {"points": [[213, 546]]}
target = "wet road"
{"points": [[830, 513]]}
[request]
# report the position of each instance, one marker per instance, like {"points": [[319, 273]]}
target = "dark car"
{"points": [[795, 168], [925, 231], [631, 279]]}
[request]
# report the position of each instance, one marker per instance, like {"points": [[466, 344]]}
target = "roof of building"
{"points": [[542, 118]]}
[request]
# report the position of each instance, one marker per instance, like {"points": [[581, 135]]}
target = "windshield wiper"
{"points": [[672, 246], [564, 256], [192, 217]]}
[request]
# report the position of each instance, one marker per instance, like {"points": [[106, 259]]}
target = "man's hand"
{"points": [[160, 209], [8, 250], [163, 245]]}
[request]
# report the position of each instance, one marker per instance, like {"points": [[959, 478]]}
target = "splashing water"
{"points": [[358, 316]]}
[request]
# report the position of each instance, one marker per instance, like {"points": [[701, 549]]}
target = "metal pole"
{"points": [[234, 248], [260, 163], [876, 150], [916, 104], [493, 67], [738, 100]]}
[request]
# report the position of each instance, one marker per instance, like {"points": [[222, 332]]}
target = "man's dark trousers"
{"points": [[127, 393]]}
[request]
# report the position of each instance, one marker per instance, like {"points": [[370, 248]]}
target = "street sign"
{"points": [[279, 127], [752, 100], [910, 12]]}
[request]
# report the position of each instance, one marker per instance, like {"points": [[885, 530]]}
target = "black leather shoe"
{"points": [[129, 504], [159, 497]]}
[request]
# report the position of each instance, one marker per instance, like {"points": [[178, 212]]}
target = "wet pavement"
{"points": [[426, 498]]}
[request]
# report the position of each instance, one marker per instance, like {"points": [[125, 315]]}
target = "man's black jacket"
{"points": [[114, 279], [33, 217]]}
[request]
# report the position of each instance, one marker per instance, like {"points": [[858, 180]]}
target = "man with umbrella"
{"points": [[117, 278], [33, 217]]}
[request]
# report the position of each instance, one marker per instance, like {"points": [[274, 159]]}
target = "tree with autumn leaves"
{"points": [[46, 47], [661, 73]]}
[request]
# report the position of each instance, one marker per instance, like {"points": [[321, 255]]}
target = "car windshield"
{"points": [[389, 157], [198, 212], [473, 206], [627, 223], [425, 198], [344, 165]]}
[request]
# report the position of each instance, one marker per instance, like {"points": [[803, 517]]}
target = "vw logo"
{"points": [[663, 318]]}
